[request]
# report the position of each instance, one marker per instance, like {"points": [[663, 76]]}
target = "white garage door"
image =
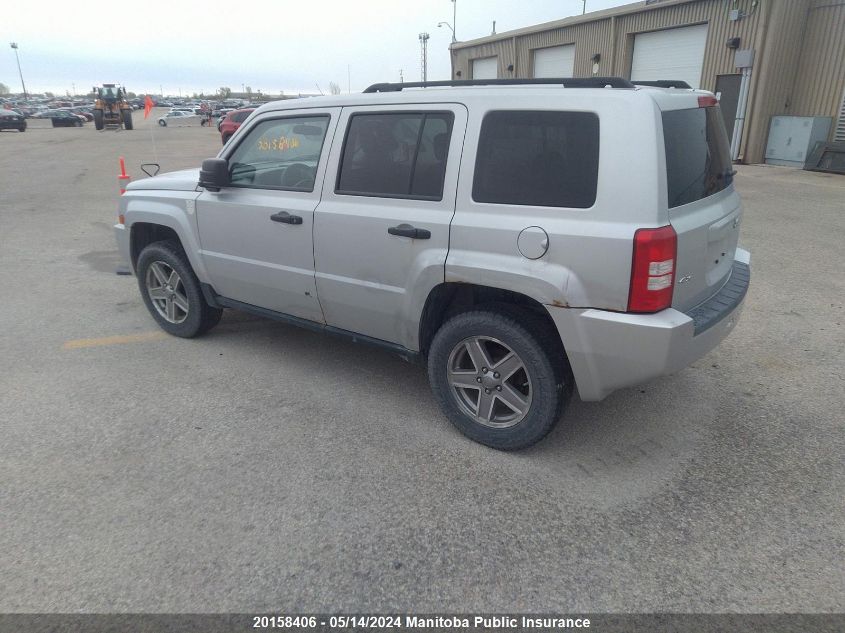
{"points": [[670, 54], [487, 68], [555, 61]]}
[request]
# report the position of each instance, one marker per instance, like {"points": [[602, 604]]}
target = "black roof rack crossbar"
{"points": [[571, 82], [664, 83]]}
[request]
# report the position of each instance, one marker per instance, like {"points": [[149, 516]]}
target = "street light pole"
{"points": [[439, 24], [14, 45], [454, 19]]}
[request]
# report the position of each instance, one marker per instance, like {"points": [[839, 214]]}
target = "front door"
{"points": [[256, 234], [381, 232]]}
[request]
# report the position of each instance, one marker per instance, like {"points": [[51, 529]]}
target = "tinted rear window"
{"points": [[538, 158], [698, 158]]}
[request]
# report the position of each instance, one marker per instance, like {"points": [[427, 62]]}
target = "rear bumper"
{"points": [[612, 350]]}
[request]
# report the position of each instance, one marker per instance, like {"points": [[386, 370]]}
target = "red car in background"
{"points": [[232, 122]]}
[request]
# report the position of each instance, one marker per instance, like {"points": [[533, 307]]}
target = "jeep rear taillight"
{"points": [[653, 269]]}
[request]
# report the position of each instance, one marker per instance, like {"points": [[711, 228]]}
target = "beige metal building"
{"points": [[795, 48]]}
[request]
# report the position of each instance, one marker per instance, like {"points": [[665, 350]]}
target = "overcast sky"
{"points": [[270, 45]]}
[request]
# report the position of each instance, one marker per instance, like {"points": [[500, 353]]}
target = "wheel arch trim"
{"points": [[170, 216]]}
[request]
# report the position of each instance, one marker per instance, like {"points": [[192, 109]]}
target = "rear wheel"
{"points": [[497, 378], [226, 138], [98, 119], [127, 119], [77, 123], [172, 293]]}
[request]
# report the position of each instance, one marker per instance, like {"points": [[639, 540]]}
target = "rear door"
{"points": [[381, 231], [704, 208]]}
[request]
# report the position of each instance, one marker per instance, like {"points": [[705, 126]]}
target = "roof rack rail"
{"points": [[570, 82], [664, 83]]}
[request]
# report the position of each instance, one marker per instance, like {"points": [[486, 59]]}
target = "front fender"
{"points": [[176, 211]]}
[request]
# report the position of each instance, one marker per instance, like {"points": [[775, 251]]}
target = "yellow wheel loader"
{"points": [[111, 108]]}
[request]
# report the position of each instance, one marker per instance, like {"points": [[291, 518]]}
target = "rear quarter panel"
{"points": [[588, 261]]}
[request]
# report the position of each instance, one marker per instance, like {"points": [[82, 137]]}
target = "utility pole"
{"points": [[584, 9], [454, 17], [424, 55], [14, 45]]}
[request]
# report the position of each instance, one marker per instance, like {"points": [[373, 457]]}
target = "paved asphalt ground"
{"points": [[267, 468]]}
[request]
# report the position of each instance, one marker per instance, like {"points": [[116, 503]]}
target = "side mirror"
{"points": [[214, 174]]}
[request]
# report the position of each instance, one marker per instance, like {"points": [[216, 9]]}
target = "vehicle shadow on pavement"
{"points": [[609, 443]]}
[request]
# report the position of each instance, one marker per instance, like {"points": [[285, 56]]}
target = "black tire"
{"points": [[226, 138], [545, 366], [127, 119], [200, 317], [98, 119], [162, 123]]}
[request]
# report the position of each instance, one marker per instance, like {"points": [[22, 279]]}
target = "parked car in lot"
{"points": [[180, 118], [11, 120], [62, 118], [478, 229], [232, 121]]}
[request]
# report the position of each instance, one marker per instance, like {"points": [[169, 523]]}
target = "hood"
{"points": [[183, 180]]}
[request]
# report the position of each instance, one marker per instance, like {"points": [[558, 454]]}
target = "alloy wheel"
{"points": [[489, 381], [167, 292]]}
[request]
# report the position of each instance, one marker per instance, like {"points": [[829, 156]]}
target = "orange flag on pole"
{"points": [[148, 105]]}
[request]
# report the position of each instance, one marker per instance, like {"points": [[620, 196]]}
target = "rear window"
{"points": [[698, 158], [538, 158]]}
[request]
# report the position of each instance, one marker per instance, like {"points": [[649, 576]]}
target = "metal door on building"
{"points": [[486, 68], [727, 91], [676, 53], [555, 61]]}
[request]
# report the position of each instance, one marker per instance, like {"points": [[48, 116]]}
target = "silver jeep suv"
{"points": [[521, 238]]}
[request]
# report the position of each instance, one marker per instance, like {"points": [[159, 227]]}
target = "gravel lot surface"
{"points": [[264, 467]]}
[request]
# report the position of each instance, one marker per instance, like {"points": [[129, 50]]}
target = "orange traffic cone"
{"points": [[123, 178]]}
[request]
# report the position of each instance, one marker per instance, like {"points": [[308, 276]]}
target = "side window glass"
{"points": [[538, 158], [400, 154], [430, 169], [280, 154]]}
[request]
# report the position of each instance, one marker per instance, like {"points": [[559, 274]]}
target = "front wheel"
{"points": [[172, 293], [99, 123], [127, 119], [162, 123], [495, 379]]}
